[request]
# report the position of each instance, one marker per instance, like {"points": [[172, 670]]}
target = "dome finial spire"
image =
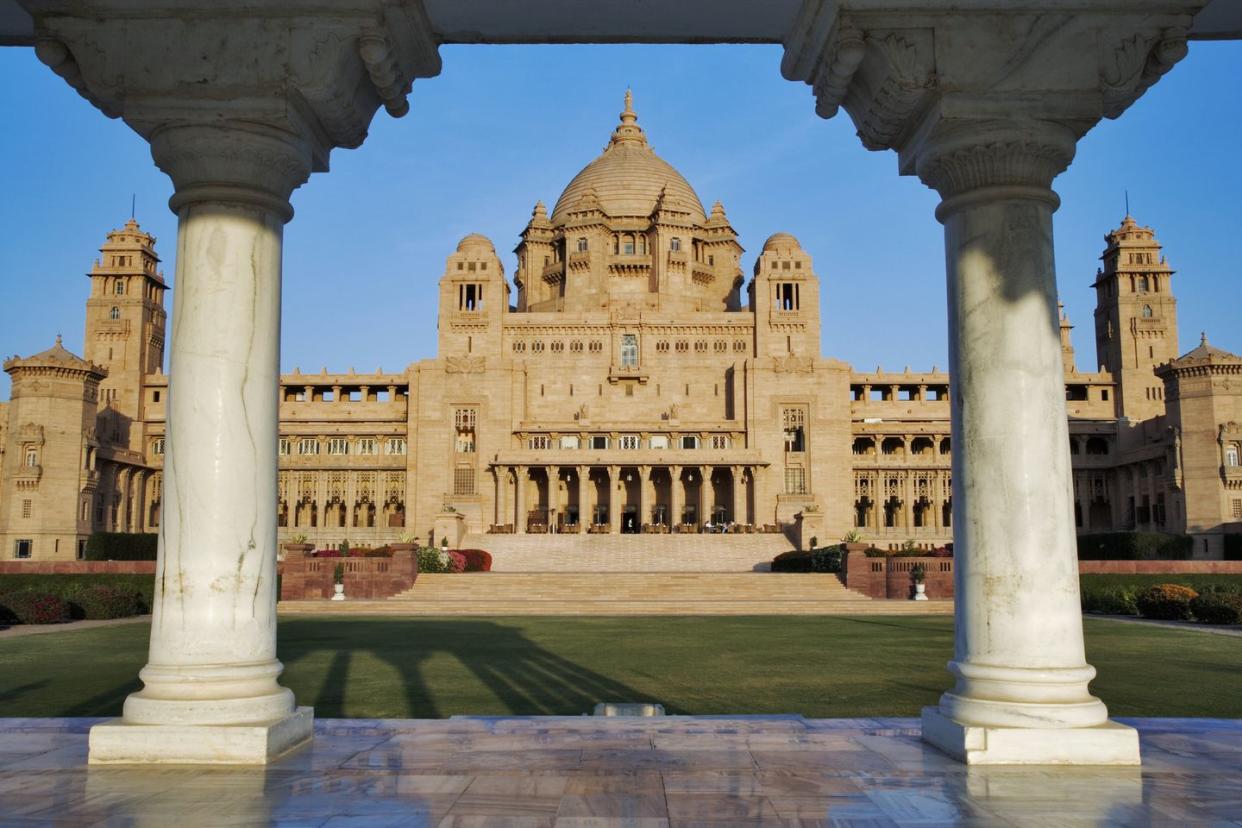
{"points": [[628, 129]]}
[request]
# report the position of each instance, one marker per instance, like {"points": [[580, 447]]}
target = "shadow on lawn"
{"points": [[528, 679]]}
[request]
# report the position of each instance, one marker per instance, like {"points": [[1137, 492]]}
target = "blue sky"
{"points": [[504, 126]]}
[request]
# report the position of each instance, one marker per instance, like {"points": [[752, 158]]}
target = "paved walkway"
{"points": [[19, 630], [584, 772], [1194, 626]]}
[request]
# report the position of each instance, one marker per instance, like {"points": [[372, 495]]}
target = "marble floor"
{"points": [[599, 773]]}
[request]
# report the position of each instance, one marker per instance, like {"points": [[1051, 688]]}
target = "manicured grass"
{"points": [[821, 667]]}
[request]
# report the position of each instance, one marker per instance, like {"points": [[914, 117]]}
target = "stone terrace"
{"points": [[605, 773]]}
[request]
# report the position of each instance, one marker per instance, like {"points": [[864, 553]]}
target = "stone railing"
{"points": [[306, 577], [890, 577]]}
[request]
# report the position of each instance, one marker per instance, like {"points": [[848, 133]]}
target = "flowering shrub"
{"points": [[1109, 600], [431, 560], [29, 607], [360, 552], [457, 561], [477, 560], [1217, 606], [1166, 602], [327, 553]]}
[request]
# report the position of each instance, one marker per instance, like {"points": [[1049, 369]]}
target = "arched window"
{"points": [[120, 288], [114, 314], [1231, 454], [1147, 311], [582, 245], [1143, 286], [629, 351], [627, 245]]}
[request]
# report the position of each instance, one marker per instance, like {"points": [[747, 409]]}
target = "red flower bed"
{"points": [[477, 560]]}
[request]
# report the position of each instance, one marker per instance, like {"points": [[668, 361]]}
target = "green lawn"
{"points": [[820, 667]]}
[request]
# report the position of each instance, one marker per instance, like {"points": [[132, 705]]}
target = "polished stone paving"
{"points": [[603, 773]]}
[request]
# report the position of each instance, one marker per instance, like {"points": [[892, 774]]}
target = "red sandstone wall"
{"points": [[890, 577], [308, 578], [1160, 567]]}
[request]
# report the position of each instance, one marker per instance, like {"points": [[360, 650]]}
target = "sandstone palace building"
{"points": [[629, 379]]}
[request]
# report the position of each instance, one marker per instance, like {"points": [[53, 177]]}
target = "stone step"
{"points": [[571, 587], [605, 608], [629, 553]]}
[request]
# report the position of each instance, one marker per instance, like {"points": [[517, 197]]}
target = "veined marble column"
{"points": [[209, 688], [645, 500], [705, 494], [1021, 692]]}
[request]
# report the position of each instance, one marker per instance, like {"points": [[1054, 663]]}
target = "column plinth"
{"points": [[1021, 692], [210, 691]]}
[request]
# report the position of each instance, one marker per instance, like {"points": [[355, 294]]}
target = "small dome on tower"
{"points": [[475, 242], [781, 243]]}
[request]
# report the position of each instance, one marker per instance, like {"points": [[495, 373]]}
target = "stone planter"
{"points": [[403, 547], [303, 548], [338, 592], [920, 592]]}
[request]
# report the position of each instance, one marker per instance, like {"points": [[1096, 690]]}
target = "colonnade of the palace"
{"points": [[126, 499], [986, 109], [617, 498]]}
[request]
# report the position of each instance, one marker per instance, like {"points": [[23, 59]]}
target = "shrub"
{"points": [[1110, 599], [827, 559], [121, 546], [431, 560], [457, 561], [104, 601], [30, 607], [1217, 606], [793, 561], [1166, 602], [477, 560], [874, 552], [327, 553], [1134, 546]]}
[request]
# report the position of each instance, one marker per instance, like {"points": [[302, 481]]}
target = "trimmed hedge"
{"points": [[87, 596], [824, 559], [1166, 602], [121, 546], [30, 607], [1134, 546], [1217, 606]]}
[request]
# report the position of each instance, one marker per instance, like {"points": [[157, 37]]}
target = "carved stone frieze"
{"points": [[464, 365], [793, 364]]}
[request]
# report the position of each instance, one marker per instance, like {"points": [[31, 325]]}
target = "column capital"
{"points": [[923, 82], [249, 99]]}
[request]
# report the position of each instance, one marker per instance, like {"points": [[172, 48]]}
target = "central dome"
{"points": [[628, 179]]}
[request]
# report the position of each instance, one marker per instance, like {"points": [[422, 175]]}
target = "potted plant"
{"points": [[853, 541], [338, 581], [918, 574], [297, 543], [406, 544]]}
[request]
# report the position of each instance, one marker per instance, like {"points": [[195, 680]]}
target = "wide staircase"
{"points": [[625, 575], [629, 553]]}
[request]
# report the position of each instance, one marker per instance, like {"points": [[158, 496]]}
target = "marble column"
{"points": [[705, 494], [519, 499], [498, 504], [210, 691], [1021, 692]]}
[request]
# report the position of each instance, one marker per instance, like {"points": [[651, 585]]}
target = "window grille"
{"points": [[308, 445], [539, 442], [338, 445], [396, 445], [463, 481], [629, 442], [795, 480], [720, 441], [629, 350]]}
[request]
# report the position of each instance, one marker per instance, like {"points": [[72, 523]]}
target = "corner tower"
{"points": [[125, 328], [1135, 318]]}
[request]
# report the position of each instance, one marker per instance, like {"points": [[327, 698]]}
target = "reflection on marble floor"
{"points": [[600, 773]]}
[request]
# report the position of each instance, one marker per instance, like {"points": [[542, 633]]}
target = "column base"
{"points": [[1109, 743], [119, 742]]}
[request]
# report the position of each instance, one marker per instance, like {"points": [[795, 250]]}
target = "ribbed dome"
{"points": [[475, 241], [629, 177], [781, 242]]}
